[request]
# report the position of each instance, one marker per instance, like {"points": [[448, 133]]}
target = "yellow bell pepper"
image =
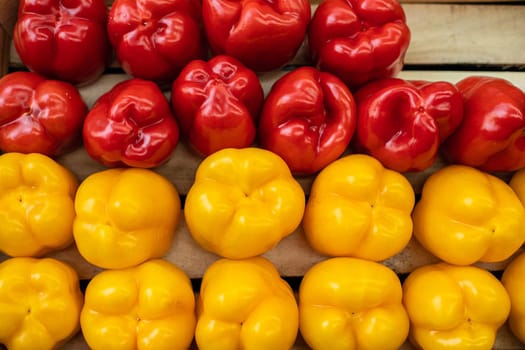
{"points": [[36, 205], [517, 183], [244, 304], [350, 303], [243, 202], [359, 208], [466, 215], [40, 303], [125, 217], [513, 280], [454, 307], [148, 306]]}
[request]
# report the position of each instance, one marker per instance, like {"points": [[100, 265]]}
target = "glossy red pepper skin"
{"points": [[63, 39], [217, 104], [359, 40], [308, 118], [131, 125], [154, 39], [402, 124], [491, 136], [443, 101], [38, 115], [262, 34]]}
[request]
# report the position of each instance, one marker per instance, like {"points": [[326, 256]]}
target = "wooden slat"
{"points": [[293, 257], [469, 34], [7, 20], [483, 34], [504, 341], [93, 91], [444, 32], [4, 51]]}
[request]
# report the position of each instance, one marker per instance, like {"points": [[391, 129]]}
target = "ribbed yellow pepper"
{"points": [[454, 307], [513, 280], [359, 208], [350, 303], [36, 204], [40, 303], [466, 215], [125, 217], [244, 304], [243, 202], [148, 306], [517, 183]]}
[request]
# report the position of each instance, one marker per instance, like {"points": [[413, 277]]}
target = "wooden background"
{"points": [[450, 41]]}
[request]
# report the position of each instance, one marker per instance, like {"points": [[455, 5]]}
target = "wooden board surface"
{"points": [[504, 341], [472, 34], [466, 34]]}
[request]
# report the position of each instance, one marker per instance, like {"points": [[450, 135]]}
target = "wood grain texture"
{"points": [[293, 256], [4, 52], [504, 341], [466, 34], [444, 32]]}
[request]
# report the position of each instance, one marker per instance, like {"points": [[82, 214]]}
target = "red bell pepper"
{"points": [[403, 123], [131, 125], [63, 40], [262, 34], [154, 39], [38, 115], [217, 103], [491, 136], [359, 40], [308, 118]]}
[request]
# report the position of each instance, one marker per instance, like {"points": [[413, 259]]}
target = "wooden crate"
{"points": [[450, 41]]}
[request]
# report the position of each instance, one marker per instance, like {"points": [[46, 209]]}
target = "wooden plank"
{"points": [[293, 257], [93, 91], [451, 34], [181, 167], [504, 341], [466, 34], [4, 52]]}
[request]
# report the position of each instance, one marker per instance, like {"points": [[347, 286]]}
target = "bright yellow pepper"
{"points": [[513, 280], [466, 215], [148, 306], [243, 202], [40, 303], [454, 307], [125, 217], [244, 304], [359, 208], [350, 303], [36, 204], [517, 183]]}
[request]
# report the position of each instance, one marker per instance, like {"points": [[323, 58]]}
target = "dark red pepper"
{"points": [[359, 40], [308, 119], [491, 136], [63, 39], [38, 115], [262, 34], [131, 125], [403, 123], [154, 39], [217, 104]]}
